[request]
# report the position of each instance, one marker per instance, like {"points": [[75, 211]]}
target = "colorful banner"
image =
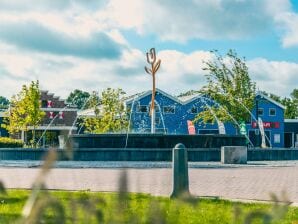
{"points": [[266, 124], [191, 128]]}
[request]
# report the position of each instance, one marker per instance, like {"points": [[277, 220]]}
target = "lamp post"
{"points": [[151, 59]]}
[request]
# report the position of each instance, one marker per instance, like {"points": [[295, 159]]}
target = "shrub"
{"points": [[10, 143]]}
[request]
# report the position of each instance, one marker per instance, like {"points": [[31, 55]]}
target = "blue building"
{"points": [[272, 116], [291, 133], [172, 114]]}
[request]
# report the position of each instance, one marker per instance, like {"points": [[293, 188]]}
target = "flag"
{"points": [[50, 103], [191, 128], [51, 115], [61, 115]]}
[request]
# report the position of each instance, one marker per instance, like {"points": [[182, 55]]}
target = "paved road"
{"points": [[247, 182]]}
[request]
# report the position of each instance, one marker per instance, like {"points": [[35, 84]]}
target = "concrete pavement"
{"points": [[248, 182]]}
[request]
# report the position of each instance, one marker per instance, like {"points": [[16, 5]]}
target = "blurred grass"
{"points": [[96, 207]]}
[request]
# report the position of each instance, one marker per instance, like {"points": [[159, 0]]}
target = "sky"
{"points": [[95, 44]]}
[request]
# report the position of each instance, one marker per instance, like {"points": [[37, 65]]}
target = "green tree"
{"points": [[25, 111], [110, 116], [189, 93], [230, 86], [4, 102], [79, 98]]}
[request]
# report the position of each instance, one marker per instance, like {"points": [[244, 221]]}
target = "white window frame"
{"points": [[195, 108], [141, 112], [270, 110], [276, 138], [163, 109], [260, 109]]}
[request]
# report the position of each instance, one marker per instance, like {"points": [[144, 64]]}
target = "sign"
{"points": [[243, 128], [221, 128], [191, 128], [267, 124]]}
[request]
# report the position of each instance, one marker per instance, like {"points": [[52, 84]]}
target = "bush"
{"points": [[10, 143]]}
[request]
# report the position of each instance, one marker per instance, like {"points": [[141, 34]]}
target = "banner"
{"points": [[191, 128], [221, 128]]}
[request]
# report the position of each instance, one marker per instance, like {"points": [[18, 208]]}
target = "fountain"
{"points": [[118, 142]]}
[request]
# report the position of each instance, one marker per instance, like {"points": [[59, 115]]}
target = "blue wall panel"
{"points": [[176, 123]]}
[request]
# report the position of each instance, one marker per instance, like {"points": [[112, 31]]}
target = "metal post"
{"points": [[180, 172]]}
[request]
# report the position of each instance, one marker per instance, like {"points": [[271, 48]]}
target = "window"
{"points": [[260, 111], [194, 110], [276, 138], [142, 109], [156, 107], [272, 112], [257, 131], [169, 110], [44, 103]]}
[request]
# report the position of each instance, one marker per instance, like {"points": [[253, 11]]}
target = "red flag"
{"points": [[191, 128], [61, 115], [51, 115], [50, 103]]}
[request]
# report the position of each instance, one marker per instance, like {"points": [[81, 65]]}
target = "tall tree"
{"points": [[230, 86], [79, 98], [25, 110], [110, 116]]}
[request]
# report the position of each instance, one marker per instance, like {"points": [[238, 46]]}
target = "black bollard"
{"points": [[180, 172]]}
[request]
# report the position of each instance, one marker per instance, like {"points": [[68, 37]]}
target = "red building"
{"points": [[59, 119]]}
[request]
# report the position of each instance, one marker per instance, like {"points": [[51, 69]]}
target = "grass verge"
{"points": [[95, 207]]}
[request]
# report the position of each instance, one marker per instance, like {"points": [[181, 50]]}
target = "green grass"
{"points": [[94, 207]]}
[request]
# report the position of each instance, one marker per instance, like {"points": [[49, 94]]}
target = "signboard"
{"points": [[243, 129], [266, 124], [221, 128], [191, 128]]}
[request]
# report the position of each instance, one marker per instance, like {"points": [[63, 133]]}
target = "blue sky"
{"points": [[92, 45]]}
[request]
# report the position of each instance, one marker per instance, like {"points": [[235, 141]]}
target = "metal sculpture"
{"points": [[151, 59]]}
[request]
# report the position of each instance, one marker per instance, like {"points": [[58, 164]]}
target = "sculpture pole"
{"points": [[151, 59]]}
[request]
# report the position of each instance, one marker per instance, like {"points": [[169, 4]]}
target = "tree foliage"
{"points": [[110, 116], [189, 93], [230, 86], [25, 110], [79, 98]]}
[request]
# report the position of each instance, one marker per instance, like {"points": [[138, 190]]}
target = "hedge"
{"points": [[10, 143]]}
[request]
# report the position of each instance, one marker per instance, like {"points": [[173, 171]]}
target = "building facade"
{"points": [[291, 133], [172, 114], [59, 119], [3, 131]]}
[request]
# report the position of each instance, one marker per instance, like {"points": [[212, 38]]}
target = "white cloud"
{"points": [[168, 20], [195, 19], [288, 23], [179, 72], [176, 21], [278, 77]]}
